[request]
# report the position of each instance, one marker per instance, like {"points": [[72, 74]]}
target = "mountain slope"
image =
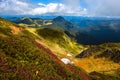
{"points": [[101, 60], [64, 24], [98, 26], [57, 36], [107, 50], [32, 22], [22, 57], [59, 22], [82, 38], [56, 43]]}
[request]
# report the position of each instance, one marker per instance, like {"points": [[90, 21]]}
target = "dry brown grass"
{"points": [[100, 65], [15, 30]]}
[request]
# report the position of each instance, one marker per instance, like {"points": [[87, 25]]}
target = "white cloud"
{"points": [[25, 8], [73, 7], [103, 7], [57, 8], [49, 8], [66, 7], [41, 4], [13, 7]]}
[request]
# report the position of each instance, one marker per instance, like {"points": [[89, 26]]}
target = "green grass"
{"points": [[52, 35], [5, 31], [107, 50], [101, 58], [33, 22], [100, 76], [58, 36], [22, 59]]}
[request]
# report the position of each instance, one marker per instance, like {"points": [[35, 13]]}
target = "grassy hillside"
{"points": [[37, 52], [58, 22], [106, 50], [23, 56], [33, 22], [52, 34], [57, 36], [4, 30], [104, 58], [22, 59], [99, 76]]}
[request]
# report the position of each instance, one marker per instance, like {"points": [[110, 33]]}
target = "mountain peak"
{"points": [[59, 18]]}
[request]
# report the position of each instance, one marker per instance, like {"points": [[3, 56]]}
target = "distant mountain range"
{"points": [[93, 28], [102, 29], [59, 22]]}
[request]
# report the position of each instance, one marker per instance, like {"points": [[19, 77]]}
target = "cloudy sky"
{"points": [[61, 7]]}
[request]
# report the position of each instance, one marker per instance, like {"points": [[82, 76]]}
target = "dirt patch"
{"points": [[15, 30]]}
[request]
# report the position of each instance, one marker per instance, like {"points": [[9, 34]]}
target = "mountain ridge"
{"points": [[60, 23]]}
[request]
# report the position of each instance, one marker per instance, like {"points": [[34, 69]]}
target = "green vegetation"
{"points": [[57, 36], [107, 50], [3, 27], [33, 22], [104, 58], [52, 35], [27, 53], [22, 58], [99, 76]]}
